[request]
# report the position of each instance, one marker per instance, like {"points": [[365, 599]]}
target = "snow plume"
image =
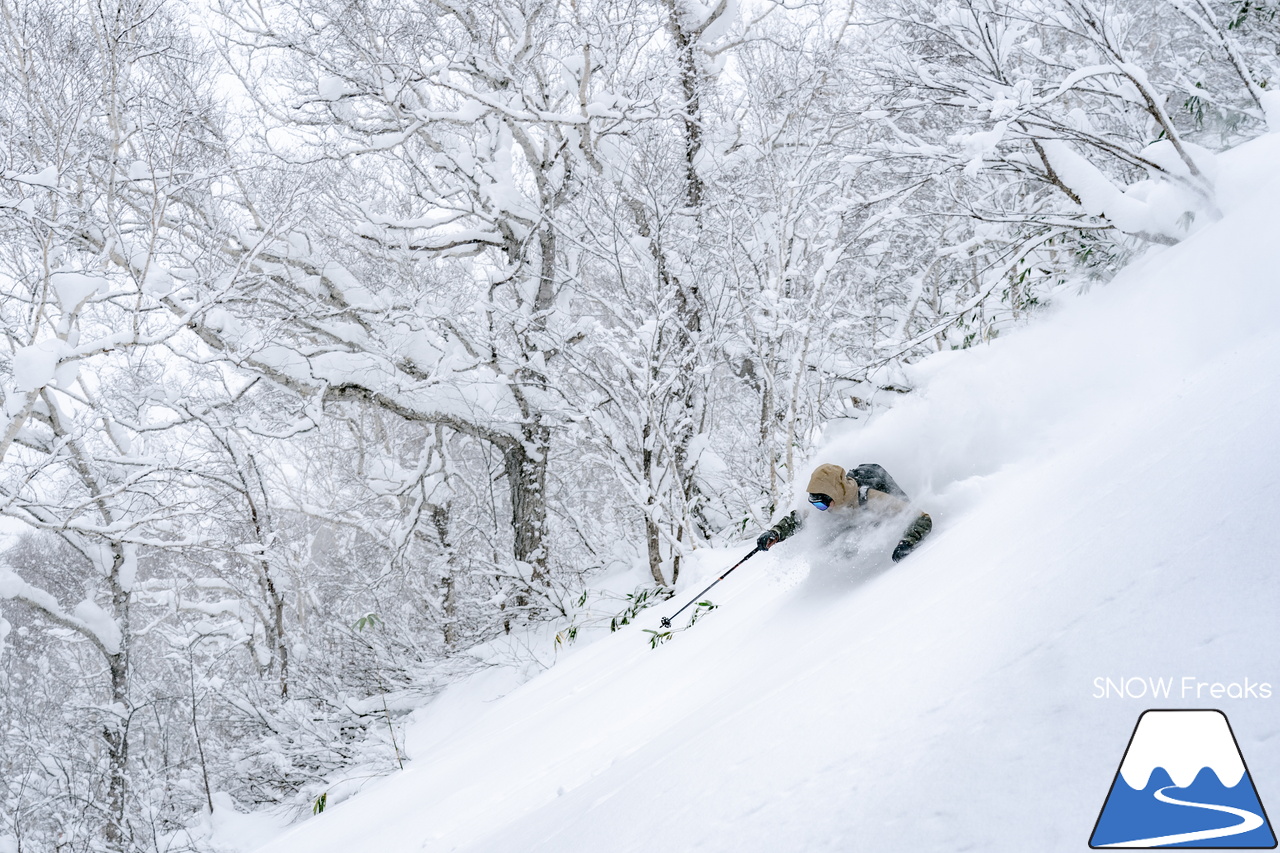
{"points": [[1210, 288]]}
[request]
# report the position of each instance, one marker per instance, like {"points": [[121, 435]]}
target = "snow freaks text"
{"points": [[1184, 687]]}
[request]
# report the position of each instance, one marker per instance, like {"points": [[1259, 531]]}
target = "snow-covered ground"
{"points": [[1105, 486]]}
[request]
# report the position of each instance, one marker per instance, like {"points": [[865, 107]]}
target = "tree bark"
{"points": [[525, 465], [115, 733]]}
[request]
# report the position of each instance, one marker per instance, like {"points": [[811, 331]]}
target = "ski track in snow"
{"points": [[1248, 822]]}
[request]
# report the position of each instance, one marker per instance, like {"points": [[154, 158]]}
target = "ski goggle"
{"points": [[822, 502]]}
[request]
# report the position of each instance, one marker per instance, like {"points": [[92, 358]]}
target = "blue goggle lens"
{"points": [[822, 502]]}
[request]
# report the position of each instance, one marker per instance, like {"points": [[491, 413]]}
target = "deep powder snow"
{"points": [[1105, 486]]}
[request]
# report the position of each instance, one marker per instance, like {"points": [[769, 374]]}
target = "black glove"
{"points": [[902, 549], [767, 540]]}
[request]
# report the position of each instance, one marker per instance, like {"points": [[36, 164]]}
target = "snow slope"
{"points": [[1106, 486]]}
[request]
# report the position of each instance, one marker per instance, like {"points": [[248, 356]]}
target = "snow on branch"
{"points": [[1152, 210], [87, 618]]}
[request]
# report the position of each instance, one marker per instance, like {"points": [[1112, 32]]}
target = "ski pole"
{"points": [[666, 620]]}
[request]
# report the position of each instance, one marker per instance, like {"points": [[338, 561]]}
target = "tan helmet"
{"points": [[830, 480]]}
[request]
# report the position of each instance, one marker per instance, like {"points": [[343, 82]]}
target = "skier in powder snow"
{"points": [[867, 495]]}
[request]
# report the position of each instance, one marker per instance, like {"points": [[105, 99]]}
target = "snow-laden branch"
{"points": [[86, 619]]}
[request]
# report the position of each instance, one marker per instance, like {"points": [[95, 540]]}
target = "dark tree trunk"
{"points": [[525, 465], [115, 733]]}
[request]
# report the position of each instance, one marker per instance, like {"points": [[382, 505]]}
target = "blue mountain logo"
{"points": [[1183, 783]]}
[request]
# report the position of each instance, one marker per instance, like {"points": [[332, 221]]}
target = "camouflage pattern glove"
{"points": [[912, 536]]}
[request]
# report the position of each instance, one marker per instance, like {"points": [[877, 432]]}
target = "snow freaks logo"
{"points": [[1183, 783]]}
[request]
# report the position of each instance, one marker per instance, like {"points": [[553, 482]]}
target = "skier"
{"points": [[865, 495]]}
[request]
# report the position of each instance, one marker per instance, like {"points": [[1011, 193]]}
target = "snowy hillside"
{"points": [[1105, 487]]}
